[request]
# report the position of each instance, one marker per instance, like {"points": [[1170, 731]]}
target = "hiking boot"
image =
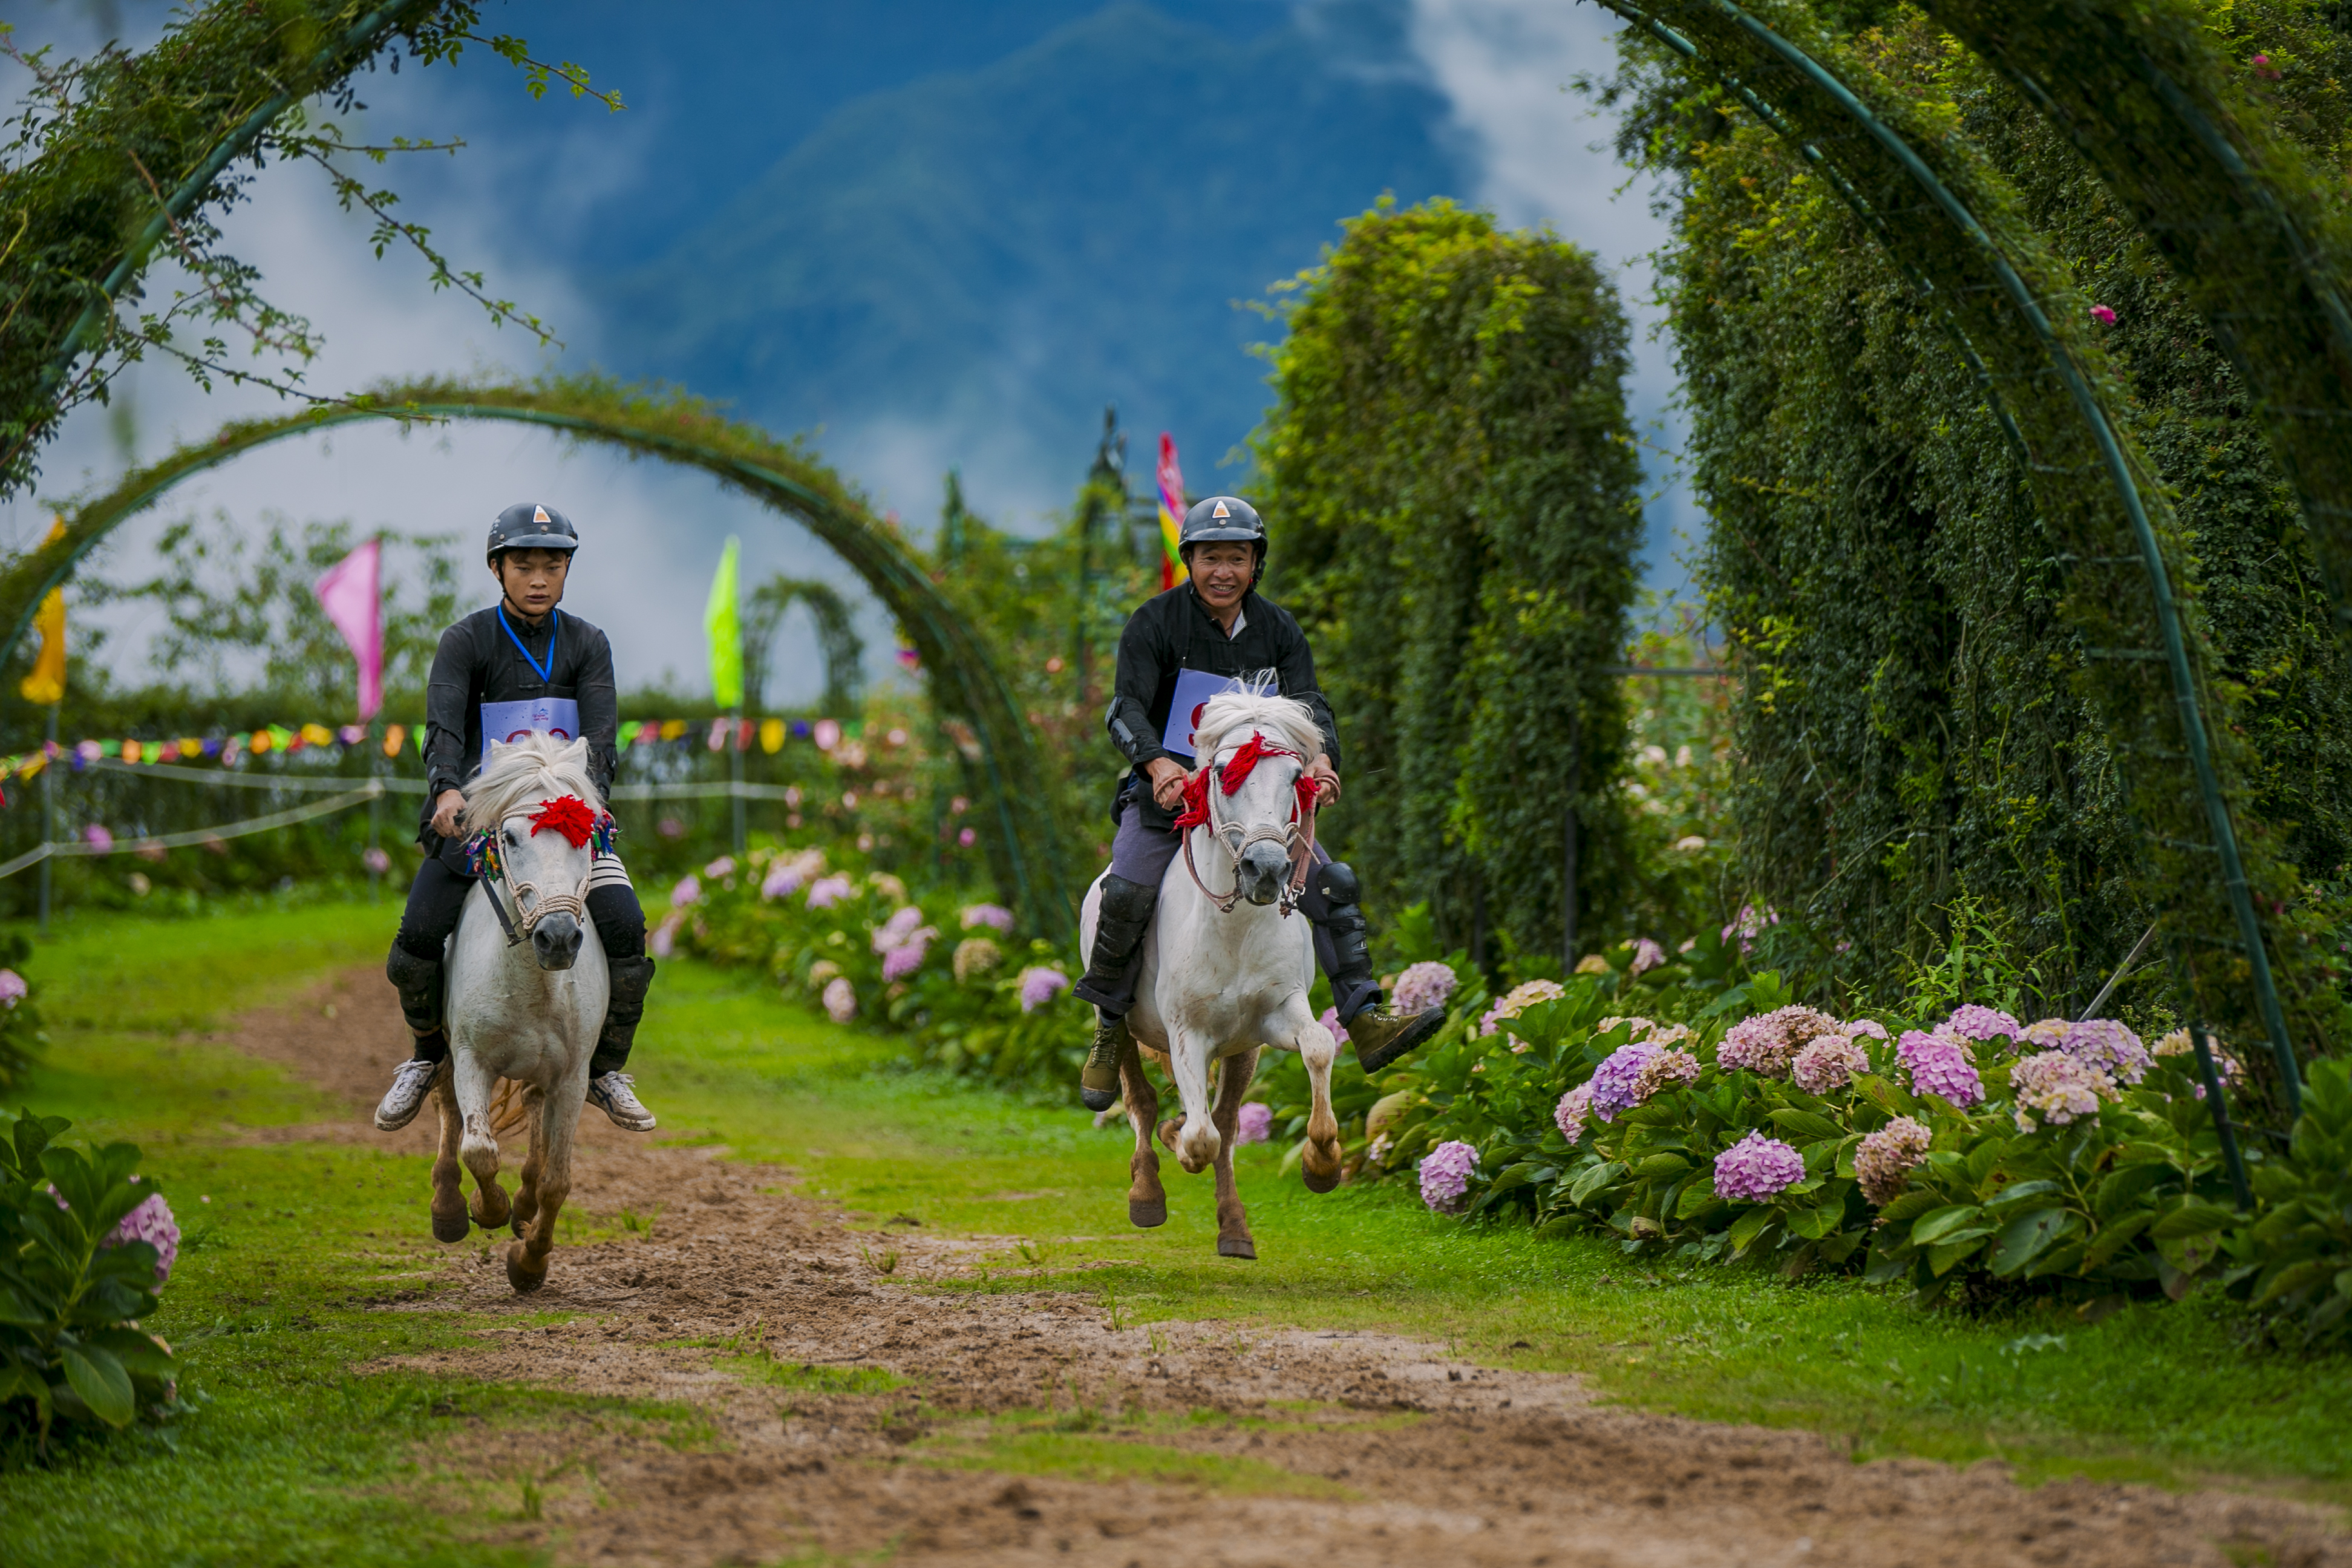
{"points": [[612, 1093], [1098, 1079], [1380, 1034], [410, 1084]]}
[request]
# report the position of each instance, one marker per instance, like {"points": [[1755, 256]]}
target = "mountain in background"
{"points": [[963, 270]]}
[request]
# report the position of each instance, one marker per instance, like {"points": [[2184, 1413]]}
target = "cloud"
{"points": [[1544, 154]]}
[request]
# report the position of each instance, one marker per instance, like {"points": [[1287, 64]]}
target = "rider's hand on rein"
{"points": [[446, 812]]}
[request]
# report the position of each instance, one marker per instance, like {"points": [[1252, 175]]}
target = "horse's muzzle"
{"points": [[1263, 871], [556, 940]]}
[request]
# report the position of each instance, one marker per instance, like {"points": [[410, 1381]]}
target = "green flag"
{"points": [[724, 624]]}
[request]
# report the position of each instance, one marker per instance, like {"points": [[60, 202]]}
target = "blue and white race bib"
{"points": [[1194, 689], [557, 716]]}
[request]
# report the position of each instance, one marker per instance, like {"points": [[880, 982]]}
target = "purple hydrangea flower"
{"points": [[664, 940], [1425, 985], [906, 957], [1445, 1175], [1828, 1065], [98, 838], [1971, 1022], [2108, 1046], [1255, 1122], [1330, 1020], [688, 892], [2058, 1087], [721, 868], [1749, 923], [840, 999], [784, 878], [827, 891], [151, 1223], [1883, 1161], [1939, 1065], [1756, 1168], [1575, 1108], [1040, 984], [1617, 1082], [996, 917], [898, 929]]}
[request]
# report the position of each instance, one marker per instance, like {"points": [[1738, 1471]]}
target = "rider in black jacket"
{"points": [[1212, 626], [520, 665]]}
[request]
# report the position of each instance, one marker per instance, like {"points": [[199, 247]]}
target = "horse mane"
{"points": [[523, 772], [1283, 719]]}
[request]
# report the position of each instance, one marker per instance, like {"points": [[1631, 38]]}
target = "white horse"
{"points": [[1225, 975], [523, 1010]]}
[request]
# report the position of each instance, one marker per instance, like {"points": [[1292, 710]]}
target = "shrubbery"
{"points": [[86, 1246]]}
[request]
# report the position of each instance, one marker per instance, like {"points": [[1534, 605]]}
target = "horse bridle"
{"points": [[573, 903], [1296, 835]]}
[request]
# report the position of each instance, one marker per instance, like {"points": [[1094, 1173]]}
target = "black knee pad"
{"points": [[619, 919], [1337, 882], [1126, 902], [418, 982]]}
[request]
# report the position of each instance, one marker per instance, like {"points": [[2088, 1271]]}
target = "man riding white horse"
{"points": [[520, 665], [1178, 650]]}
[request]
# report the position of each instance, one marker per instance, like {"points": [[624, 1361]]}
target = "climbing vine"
{"points": [[1451, 483]]}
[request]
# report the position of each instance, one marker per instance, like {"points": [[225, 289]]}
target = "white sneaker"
{"points": [[406, 1096], [612, 1093]]}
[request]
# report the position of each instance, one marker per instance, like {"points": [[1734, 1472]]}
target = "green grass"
{"points": [[299, 1457]]}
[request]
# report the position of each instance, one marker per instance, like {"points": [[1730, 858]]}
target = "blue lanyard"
{"points": [[547, 674]]}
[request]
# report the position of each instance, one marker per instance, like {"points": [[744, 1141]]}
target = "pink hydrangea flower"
{"points": [[1885, 1160], [840, 999], [96, 836], [996, 917], [1828, 1065], [1445, 1175], [898, 929], [906, 957], [1425, 985], [1040, 984], [1647, 955], [784, 878], [827, 891], [1939, 1066], [2058, 1087], [688, 892], [1255, 1123], [1668, 1069], [664, 940], [2108, 1046], [151, 1223], [1330, 1020], [1756, 1168], [721, 868], [13, 988], [1517, 1000], [1749, 924], [2104, 314], [1871, 1026], [1971, 1022], [1765, 1045], [1575, 1108], [375, 860]]}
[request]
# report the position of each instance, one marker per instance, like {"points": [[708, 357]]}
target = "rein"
{"points": [[1296, 835]]}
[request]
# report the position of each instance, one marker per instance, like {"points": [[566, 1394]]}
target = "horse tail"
{"points": [[507, 1110]]}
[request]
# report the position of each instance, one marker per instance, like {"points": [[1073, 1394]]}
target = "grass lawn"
{"points": [[295, 1459]]}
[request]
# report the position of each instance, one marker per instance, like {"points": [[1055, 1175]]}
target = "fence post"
{"points": [[735, 744], [48, 812]]}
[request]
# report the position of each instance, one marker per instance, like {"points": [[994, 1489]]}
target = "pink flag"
{"points": [[350, 593]]}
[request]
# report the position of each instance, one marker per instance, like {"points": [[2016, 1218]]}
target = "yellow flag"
{"points": [[47, 684]]}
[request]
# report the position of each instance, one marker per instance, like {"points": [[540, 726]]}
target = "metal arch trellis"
{"points": [[963, 678], [2092, 414]]}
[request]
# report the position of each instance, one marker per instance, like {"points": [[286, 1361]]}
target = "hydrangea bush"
{"points": [[940, 969], [87, 1244]]}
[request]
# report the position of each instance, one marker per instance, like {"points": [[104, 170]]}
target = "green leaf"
{"points": [[2115, 1238], [2017, 1193], [1697, 1198], [1748, 1226], [1910, 1205], [139, 1352], [2293, 1277], [1939, 1224], [1813, 1224], [1808, 1123], [2193, 1218], [101, 1382], [2024, 1239], [1662, 1165], [1940, 1258], [1593, 1181]]}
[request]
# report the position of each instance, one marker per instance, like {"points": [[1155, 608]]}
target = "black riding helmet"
{"points": [[1223, 519], [531, 525]]}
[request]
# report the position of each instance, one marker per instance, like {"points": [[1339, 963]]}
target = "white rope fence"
{"points": [[370, 790]]}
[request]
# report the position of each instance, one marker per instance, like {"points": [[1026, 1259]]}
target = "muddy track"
{"points": [[1245, 1446]]}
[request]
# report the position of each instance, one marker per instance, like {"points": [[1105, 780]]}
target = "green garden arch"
{"points": [[1024, 850], [2014, 315]]}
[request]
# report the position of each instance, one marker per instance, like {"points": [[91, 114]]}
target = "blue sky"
{"points": [[603, 223]]}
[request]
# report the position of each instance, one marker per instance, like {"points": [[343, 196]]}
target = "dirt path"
{"points": [[1244, 1446]]}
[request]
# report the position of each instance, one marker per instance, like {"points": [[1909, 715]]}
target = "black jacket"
{"points": [[1174, 631], [477, 663]]}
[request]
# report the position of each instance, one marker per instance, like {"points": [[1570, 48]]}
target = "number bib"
{"points": [[511, 721], [1194, 689]]}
